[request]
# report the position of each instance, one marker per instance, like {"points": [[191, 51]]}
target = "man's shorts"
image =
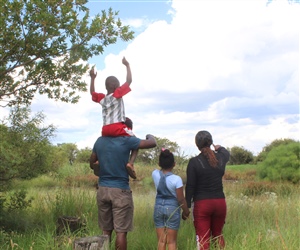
{"points": [[115, 209]]}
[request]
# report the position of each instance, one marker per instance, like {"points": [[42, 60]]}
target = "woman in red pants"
{"points": [[205, 189]]}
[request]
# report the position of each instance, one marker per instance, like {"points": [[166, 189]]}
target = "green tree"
{"points": [[263, 154], [151, 155], [83, 155], [24, 146], [69, 150], [239, 155], [282, 163], [44, 46]]}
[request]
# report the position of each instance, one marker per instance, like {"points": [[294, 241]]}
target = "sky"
{"points": [[228, 67]]}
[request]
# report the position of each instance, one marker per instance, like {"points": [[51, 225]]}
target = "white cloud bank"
{"points": [[229, 67]]}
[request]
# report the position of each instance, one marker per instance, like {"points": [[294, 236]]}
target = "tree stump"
{"points": [[92, 243]]}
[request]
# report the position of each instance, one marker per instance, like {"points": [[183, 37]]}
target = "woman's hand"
{"points": [[216, 147]]}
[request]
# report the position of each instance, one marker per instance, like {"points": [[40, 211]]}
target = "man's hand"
{"points": [[125, 62], [150, 137], [93, 73]]}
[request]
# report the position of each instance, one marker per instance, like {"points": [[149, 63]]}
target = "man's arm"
{"points": [[128, 71], [93, 160], [93, 75], [150, 142]]}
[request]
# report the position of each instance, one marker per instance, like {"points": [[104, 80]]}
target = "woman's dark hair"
{"points": [[203, 141], [166, 159]]}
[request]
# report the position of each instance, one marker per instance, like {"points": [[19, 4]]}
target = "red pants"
{"points": [[209, 219]]}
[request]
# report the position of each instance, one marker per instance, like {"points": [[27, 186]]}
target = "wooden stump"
{"points": [[92, 243]]}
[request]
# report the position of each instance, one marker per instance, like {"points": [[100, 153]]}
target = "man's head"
{"points": [[128, 123], [203, 139], [111, 83]]}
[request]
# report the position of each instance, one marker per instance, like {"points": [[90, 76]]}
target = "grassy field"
{"points": [[261, 215]]}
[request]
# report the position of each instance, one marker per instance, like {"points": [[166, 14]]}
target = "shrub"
{"points": [[254, 188], [239, 155], [263, 154], [281, 164]]}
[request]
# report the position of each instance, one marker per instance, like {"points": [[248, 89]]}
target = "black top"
{"points": [[204, 181]]}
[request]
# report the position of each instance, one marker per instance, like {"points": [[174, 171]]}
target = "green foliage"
{"points": [[151, 155], [58, 157], [12, 206], [265, 217], [282, 163], [263, 154], [83, 155], [69, 150], [17, 201], [25, 146], [44, 46], [239, 155]]}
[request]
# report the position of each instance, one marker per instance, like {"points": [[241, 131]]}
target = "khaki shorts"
{"points": [[115, 209]]}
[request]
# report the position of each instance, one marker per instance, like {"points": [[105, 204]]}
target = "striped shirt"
{"points": [[113, 109]]}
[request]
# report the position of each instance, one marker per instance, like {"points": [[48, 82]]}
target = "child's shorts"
{"points": [[167, 216]]}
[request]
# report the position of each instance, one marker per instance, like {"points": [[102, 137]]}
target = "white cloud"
{"points": [[230, 67], [137, 23]]}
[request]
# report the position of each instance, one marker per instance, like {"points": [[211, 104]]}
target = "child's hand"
{"points": [[185, 216], [93, 73], [125, 62]]}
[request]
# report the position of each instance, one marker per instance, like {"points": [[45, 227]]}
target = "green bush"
{"points": [[239, 155], [263, 154], [13, 211], [281, 164]]}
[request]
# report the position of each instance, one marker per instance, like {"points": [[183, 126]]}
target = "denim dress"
{"points": [[166, 209]]}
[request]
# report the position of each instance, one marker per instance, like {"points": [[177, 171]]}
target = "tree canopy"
{"points": [[25, 147], [45, 45]]}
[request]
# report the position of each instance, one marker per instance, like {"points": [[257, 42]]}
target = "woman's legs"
{"points": [[209, 219], [218, 221], [202, 221]]}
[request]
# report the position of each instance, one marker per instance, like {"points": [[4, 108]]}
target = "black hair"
{"points": [[203, 139], [166, 159], [111, 83], [128, 123]]}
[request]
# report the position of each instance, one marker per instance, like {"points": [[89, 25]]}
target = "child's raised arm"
{"points": [[93, 75], [128, 76]]}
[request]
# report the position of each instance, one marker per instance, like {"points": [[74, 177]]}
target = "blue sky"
{"points": [[229, 67]]}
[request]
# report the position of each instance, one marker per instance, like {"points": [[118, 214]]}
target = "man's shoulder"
{"points": [[121, 139]]}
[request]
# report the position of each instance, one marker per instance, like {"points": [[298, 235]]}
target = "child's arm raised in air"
{"points": [[93, 75], [96, 97], [128, 75]]}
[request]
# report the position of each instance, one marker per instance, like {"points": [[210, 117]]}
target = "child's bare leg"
{"points": [[130, 164]]}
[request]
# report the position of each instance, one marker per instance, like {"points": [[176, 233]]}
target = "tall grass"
{"points": [[264, 219]]}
